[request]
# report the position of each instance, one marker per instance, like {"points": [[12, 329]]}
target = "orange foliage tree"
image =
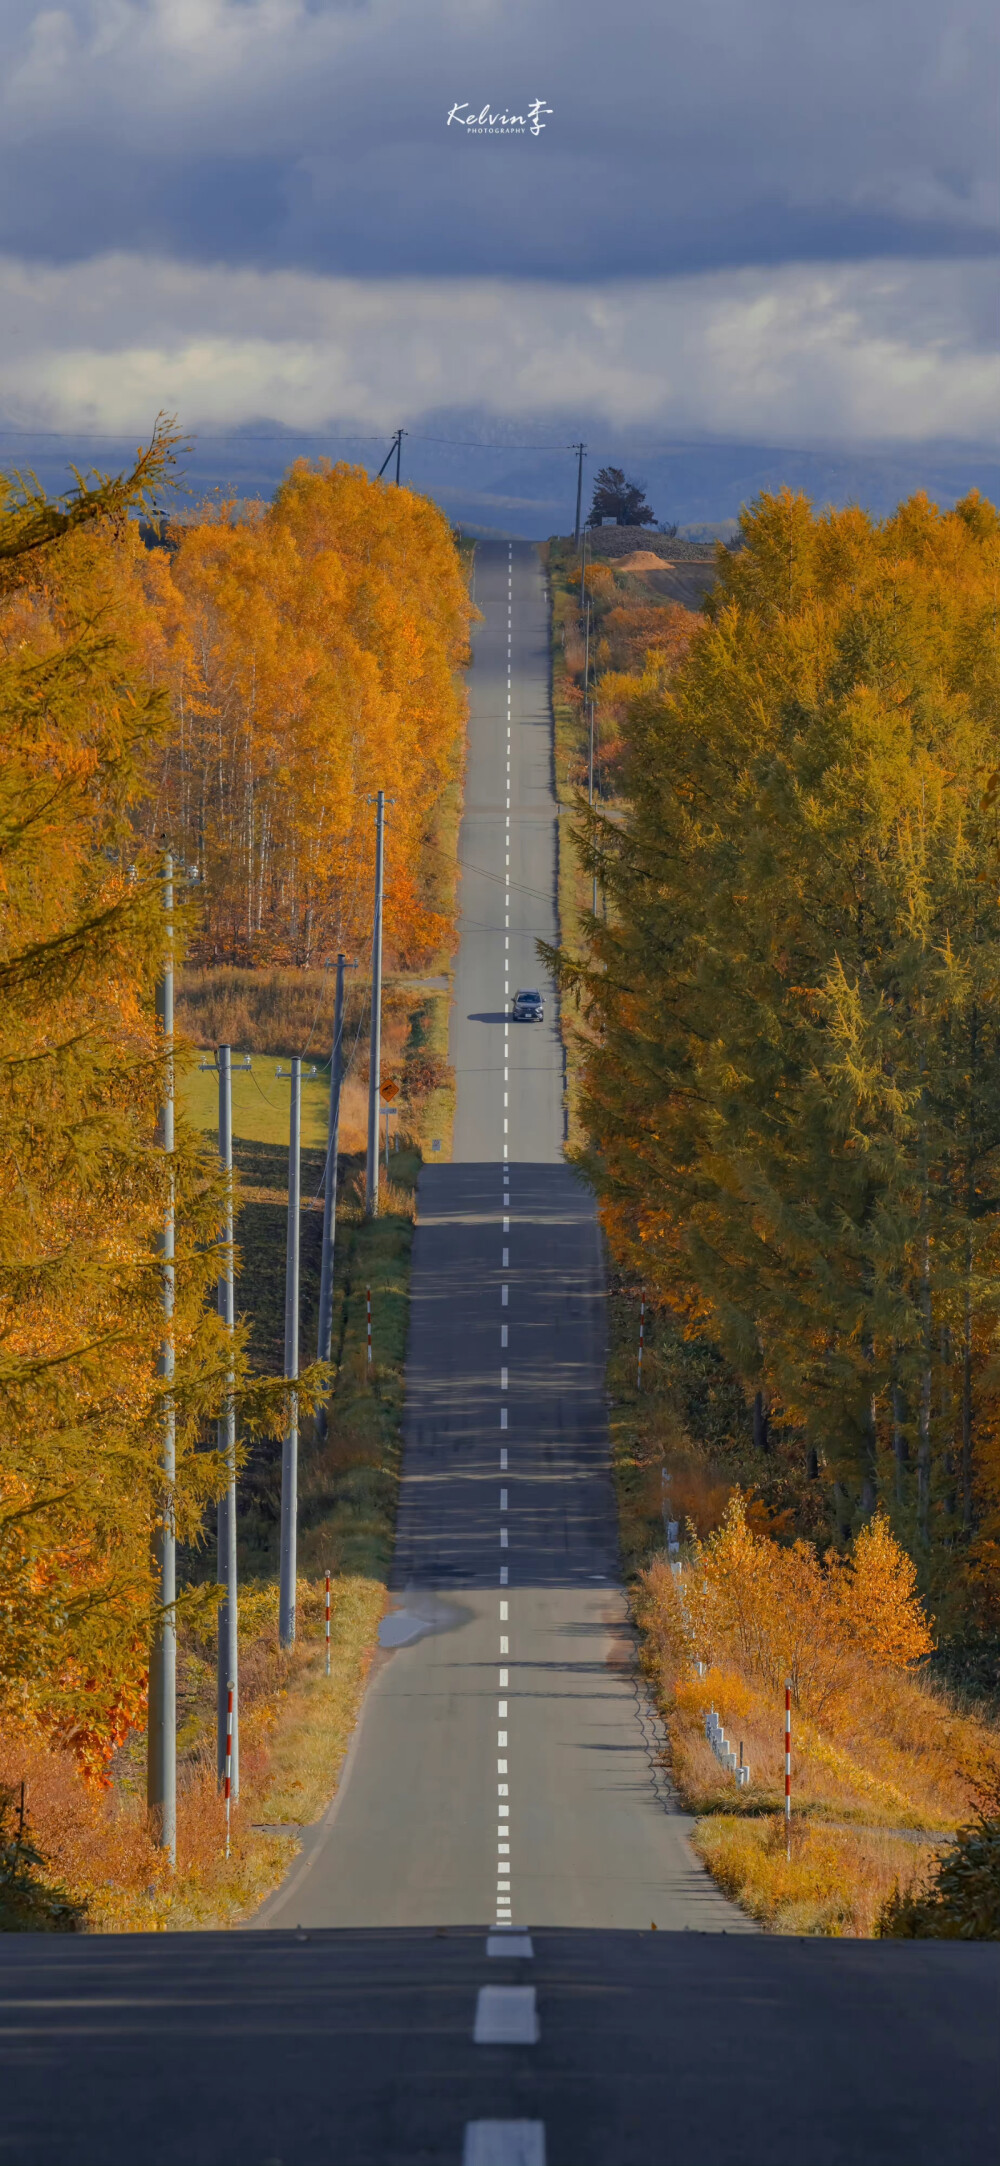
{"points": [[792, 1007], [81, 1184], [311, 652], [776, 1611]]}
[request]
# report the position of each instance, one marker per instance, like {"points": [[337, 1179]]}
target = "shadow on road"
{"points": [[273, 2048]]}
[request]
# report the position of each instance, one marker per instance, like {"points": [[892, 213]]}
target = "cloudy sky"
{"points": [[756, 225]]}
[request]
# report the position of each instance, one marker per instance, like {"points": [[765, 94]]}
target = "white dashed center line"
{"points": [[506, 2016], [503, 2143], [492, 2142]]}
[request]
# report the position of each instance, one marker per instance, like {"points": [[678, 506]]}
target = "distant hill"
{"points": [[496, 478]]}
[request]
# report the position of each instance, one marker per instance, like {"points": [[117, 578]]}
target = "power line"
{"points": [[461, 443], [498, 879], [335, 436], [280, 436]]}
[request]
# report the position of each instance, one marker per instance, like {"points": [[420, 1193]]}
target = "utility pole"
{"points": [[397, 447], [590, 801], [161, 1751], [290, 1445], [590, 704], [579, 449], [375, 1052], [324, 1335], [227, 1680], [583, 573]]}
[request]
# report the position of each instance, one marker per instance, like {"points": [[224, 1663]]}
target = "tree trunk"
{"points": [[843, 1512], [869, 1478], [761, 1429], [900, 1447], [924, 1431], [967, 1392], [948, 1425]]}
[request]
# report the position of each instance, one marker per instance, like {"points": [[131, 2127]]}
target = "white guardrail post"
{"points": [[721, 1747]]}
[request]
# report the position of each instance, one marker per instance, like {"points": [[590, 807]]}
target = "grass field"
{"points": [[260, 1101]]}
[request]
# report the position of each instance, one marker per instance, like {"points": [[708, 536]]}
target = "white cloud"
{"points": [[837, 354]]}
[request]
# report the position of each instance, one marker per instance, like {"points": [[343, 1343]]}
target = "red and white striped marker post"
{"points": [[328, 1624], [228, 1786], [788, 1769], [642, 1334], [368, 1305]]}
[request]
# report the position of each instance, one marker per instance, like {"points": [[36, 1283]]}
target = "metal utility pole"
{"points": [[590, 704], [788, 1768], [228, 1635], [228, 1642], [589, 800], [161, 1760], [583, 571], [375, 1051], [579, 449], [324, 1335], [397, 447], [290, 1445]]}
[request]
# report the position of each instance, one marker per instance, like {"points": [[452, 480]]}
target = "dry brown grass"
{"points": [[892, 1752], [835, 1883], [261, 1011], [295, 1727]]}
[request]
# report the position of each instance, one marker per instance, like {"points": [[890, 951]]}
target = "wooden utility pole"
{"points": [[397, 447], [161, 1751], [290, 1447], [375, 1048], [324, 1334], [579, 449]]}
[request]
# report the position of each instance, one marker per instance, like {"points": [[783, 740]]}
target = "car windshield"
{"points": [[529, 996]]}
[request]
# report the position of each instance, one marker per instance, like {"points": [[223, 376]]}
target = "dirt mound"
{"points": [[643, 560]]}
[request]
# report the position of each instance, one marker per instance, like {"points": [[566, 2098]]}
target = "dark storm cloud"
{"points": [[269, 133]]}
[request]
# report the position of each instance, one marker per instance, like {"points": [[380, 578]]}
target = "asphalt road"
{"points": [[360, 2049], [500, 1777], [501, 1769]]}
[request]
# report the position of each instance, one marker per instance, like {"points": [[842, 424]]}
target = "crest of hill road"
{"points": [[780, 937], [235, 689], [780, 977]]}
